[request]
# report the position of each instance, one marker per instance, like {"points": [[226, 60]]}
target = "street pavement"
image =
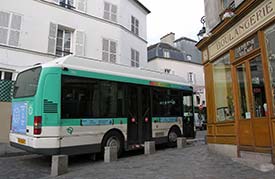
{"points": [[193, 161]]}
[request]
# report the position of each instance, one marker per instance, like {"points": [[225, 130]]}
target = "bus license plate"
{"points": [[21, 141]]}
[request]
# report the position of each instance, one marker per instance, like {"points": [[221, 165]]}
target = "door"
{"points": [[188, 117], [139, 115], [254, 133]]}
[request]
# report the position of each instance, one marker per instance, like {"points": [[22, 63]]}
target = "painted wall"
{"points": [[213, 10], [5, 116]]}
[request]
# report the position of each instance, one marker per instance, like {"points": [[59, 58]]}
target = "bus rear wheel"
{"points": [[173, 134], [113, 139]]}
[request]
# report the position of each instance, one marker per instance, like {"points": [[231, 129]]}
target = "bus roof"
{"points": [[98, 66]]}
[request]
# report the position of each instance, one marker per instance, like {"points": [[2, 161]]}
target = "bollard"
{"points": [[59, 165], [110, 154], [181, 142], [149, 147]]}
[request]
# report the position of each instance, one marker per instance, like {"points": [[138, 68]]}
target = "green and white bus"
{"points": [[75, 105]]}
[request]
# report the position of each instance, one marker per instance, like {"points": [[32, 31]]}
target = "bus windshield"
{"points": [[26, 83]]}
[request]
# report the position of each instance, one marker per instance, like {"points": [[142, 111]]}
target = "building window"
{"points": [[167, 70], [134, 58], [67, 3], [166, 54], [63, 43], [134, 25], [223, 89], [4, 75], [10, 26], [228, 4], [110, 12], [191, 77], [109, 50], [189, 57]]}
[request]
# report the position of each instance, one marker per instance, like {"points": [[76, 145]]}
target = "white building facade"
{"points": [[37, 31], [179, 57]]}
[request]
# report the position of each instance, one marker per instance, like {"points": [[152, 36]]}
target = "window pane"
{"points": [[4, 19], [26, 83], [3, 36], [113, 58], [114, 9], [113, 47], [223, 89], [105, 45], [105, 56], [14, 38], [243, 92], [106, 6], [0, 75], [108, 99], [270, 44], [106, 15], [67, 40], [8, 76], [258, 87]]}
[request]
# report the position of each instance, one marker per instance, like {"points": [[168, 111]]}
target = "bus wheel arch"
{"points": [[113, 137], [173, 134]]}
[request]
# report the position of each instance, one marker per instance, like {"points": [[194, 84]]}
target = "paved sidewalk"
{"points": [[6, 150], [191, 162]]}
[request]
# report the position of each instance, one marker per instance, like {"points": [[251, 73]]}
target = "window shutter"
{"points": [[114, 13], [80, 43], [4, 25], [52, 38], [15, 30], [82, 5]]}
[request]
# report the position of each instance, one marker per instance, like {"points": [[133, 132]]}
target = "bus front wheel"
{"points": [[113, 139]]}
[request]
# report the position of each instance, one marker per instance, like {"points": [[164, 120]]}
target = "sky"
{"points": [[179, 16]]}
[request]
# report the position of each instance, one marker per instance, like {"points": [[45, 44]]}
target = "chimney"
{"points": [[168, 39]]}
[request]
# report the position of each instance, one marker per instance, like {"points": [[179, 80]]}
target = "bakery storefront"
{"points": [[239, 64]]}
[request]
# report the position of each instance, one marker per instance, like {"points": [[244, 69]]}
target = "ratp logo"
{"points": [[70, 130]]}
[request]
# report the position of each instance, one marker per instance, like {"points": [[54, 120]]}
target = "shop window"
{"points": [[270, 44], [223, 89]]}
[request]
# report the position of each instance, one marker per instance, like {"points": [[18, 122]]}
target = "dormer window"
{"points": [[166, 54]]}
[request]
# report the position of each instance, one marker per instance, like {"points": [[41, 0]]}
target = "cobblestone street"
{"points": [[194, 161]]}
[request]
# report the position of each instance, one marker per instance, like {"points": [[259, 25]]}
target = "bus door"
{"points": [[139, 115], [188, 117]]}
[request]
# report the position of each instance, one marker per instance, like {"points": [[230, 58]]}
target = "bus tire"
{"points": [[173, 134], [113, 138]]}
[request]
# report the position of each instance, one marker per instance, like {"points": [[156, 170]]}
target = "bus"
{"points": [[74, 105]]}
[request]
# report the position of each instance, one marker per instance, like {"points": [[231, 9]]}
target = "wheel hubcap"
{"points": [[173, 137], [113, 142]]}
